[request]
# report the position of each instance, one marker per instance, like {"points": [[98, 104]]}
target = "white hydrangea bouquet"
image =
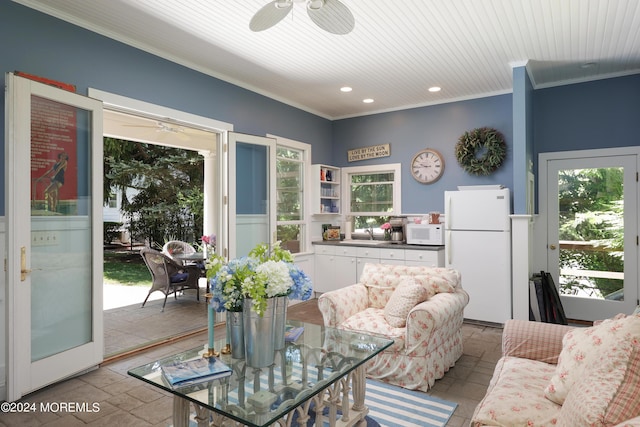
{"points": [[263, 274]]}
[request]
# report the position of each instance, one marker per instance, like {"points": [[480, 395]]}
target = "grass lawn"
{"points": [[125, 267]]}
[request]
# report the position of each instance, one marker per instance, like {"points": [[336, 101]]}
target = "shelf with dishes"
{"points": [[326, 189]]}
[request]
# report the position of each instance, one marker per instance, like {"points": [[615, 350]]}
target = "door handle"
{"points": [[552, 247], [23, 264]]}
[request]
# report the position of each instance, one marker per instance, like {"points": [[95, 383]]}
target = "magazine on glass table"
{"points": [[293, 333], [195, 371]]}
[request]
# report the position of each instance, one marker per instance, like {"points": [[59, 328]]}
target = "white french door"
{"points": [[252, 192], [53, 187], [592, 223]]}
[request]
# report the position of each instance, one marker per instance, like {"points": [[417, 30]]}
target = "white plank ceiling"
{"points": [[397, 50]]}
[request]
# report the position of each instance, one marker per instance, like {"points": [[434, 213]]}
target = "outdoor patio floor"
{"points": [[128, 326]]}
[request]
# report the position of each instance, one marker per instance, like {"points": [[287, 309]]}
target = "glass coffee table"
{"points": [[321, 374]]}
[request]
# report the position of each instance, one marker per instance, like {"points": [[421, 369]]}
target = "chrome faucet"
{"points": [[369, 231]]}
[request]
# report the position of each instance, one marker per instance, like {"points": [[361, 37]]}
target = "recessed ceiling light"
{"points": [[367, 100], [434, 89], [346, 89], [588, 65]]}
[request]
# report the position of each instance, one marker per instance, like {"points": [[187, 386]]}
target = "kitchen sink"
{"points": [[363, 242]]}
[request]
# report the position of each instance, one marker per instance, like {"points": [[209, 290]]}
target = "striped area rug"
{"points": [[389, 406], [393, 406]]}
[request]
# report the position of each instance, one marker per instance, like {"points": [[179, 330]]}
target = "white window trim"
{"points": [[397, 185]]}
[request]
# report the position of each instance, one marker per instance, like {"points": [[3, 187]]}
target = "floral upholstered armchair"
{"points": [[420, 308]]}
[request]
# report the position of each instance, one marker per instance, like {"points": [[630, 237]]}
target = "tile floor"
{"points": [[128, 325], [125, 401]]}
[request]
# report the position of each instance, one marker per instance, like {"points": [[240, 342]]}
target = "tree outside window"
{"points": [[290, 166], [591, 231], [167, 201], [374, 196]]}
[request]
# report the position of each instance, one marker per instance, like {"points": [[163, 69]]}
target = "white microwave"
{"points": [[425, 234]]}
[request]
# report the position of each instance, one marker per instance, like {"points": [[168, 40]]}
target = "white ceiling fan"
{"points": [[330, 15]]}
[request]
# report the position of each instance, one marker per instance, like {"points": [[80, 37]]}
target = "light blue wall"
{"points": [[522, 137], [438, 127], [42, 45], [598, 114]]}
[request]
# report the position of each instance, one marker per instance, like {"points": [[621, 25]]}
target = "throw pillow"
{"points": [[179, 277], [607, 394], [407, 295], [582, 348]]}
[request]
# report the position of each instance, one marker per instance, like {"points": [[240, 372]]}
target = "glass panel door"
{"points": [[61, 227], [54, 234], [252, 189], [593, 235]]}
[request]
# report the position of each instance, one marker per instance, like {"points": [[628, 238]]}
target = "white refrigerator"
{"points": [[478, 245]]}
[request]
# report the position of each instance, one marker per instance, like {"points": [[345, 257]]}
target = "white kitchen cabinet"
{"points": [[378, 255], [335, 267], [392, 256], [325, 195], [339, 265], [422, 257], [364, 255]]}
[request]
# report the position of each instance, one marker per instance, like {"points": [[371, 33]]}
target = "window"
{"points": [[291, 166], [373, 195]]}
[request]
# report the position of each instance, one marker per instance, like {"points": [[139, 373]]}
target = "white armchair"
{"points": [[420, 308]]}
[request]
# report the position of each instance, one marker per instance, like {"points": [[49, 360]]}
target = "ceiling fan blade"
{"points": [[333, 17], [270, 15]]}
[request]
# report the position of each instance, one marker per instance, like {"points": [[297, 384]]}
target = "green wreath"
{"points": [[481, 151]]}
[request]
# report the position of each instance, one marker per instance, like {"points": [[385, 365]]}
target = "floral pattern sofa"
{"points": [[555, 375], [420, 308]]}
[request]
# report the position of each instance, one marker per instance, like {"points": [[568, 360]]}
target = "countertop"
{"points": [[382, 244]]}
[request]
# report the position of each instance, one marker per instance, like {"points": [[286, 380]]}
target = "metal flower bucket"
{"points": [[235, 329], [280, 322], [258, 334]]}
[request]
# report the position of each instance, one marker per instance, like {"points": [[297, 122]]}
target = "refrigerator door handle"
{"points": [[447, 212], [449, 245]]}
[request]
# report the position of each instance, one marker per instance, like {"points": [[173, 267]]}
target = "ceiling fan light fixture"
{"points": [[315, 4], [330, 15], [282, 4]]}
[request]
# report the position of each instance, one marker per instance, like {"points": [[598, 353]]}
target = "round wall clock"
{"points": [[427, 166]]}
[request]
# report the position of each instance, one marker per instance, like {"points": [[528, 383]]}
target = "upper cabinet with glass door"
{"points": [[326, 189]]}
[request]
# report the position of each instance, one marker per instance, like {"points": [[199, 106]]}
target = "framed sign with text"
{"points": [[372, 152]]}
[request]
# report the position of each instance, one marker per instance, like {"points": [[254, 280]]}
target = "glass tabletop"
{"points": [[193, 256], [259, 397]]}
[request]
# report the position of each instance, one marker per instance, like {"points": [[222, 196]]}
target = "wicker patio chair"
{"points": [[169, 276], [183, 253]]}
